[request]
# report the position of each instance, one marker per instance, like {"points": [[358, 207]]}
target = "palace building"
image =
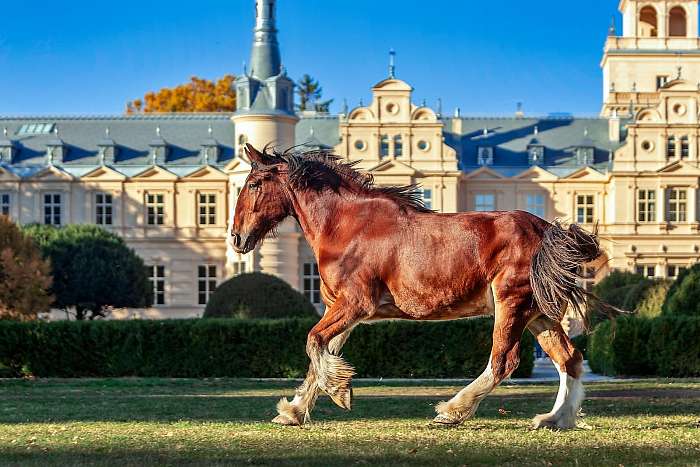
{"points": [[167, 183]]}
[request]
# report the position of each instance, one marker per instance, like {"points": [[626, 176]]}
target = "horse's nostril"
{"points": [[236, 239]]}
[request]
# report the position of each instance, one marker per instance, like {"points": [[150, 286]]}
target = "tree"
{"points": [[199, 95], [94, 270], [25, 277], [622, 289], [257, 296], [310, 93], [683, 297]]}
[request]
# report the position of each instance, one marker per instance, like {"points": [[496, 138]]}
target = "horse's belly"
{"points": [[434, 307]]}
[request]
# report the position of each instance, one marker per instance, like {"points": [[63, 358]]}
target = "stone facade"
{"points": [[169, 182]]}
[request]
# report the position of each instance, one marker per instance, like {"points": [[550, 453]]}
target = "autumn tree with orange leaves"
{"points": [[199, 95]]}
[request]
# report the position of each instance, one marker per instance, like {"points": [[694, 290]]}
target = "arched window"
{"points": [[384, 146], [677, 25], [648, 22], [398, 146]]}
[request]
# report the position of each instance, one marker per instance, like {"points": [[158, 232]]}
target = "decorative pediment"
{"points": [[392, 84], [361, 114], [484, 173], [156, 172], [536, 173], [680, 85], [679, 168], [207, 173], [588, 173], [7, 175], [238, 165], [424, 114], [393, 167], [52, 173], [104, 173], [648, 116]]}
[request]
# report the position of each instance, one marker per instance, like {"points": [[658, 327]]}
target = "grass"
{"points": [[226, 422]]}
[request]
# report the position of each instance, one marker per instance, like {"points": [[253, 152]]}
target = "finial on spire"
{"points": [[210, 130], [424, 103], [458, 112], [55, 131], [4, 132], [537, 130], [107, 132], [634, 87], [612, 30], [344, 110], [245, 68], [439, 106], [362, 102], [392, 63], [158, 131]]}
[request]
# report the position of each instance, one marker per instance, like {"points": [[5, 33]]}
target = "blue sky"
{"points": [[87, 57]]}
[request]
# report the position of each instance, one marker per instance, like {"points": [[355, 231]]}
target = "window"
{"points": [[661, 81], [239, 267], [672, 271], [685, 147], [155, 208], [646, 270], [485, 202], [671, 147], [398, 146], [677, 25], [36, 129], [588, 278], [648, 22], [646, 206], [535, 204], [5, 204], [312, 283], [677, 205], [52, 208], [206, 282], [103, 209], [207, 208], [156, 275], [427, 195], [584, 209], [384, 146]]}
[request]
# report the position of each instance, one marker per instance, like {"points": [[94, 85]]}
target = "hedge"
{"points": [[242, 348], [664, 346]]}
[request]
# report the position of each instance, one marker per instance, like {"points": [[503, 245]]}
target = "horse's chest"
{"points": [[440, 304]]}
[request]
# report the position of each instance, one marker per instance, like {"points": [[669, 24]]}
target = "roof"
{"points": [[134, 135], [510, 138]]}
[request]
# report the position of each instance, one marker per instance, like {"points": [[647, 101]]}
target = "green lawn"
{"points": [[225, 421]]}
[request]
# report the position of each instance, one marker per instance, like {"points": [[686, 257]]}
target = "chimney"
{"points": [[614, 127]]}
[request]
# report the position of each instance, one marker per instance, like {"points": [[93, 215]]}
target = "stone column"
{"points": [[279, 256]]}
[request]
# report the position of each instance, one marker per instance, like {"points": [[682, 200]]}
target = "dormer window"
{"points": [[484, 156], [585, 155], [535, 155]]}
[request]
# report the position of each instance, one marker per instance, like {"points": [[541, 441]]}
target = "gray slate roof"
{"points": [[185, 134]]}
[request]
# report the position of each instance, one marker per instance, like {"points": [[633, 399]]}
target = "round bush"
{"points": [[683, 297], [258, 296], [654, 296]]}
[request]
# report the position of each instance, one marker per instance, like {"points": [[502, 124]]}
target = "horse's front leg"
{"points": [[328, 372]]}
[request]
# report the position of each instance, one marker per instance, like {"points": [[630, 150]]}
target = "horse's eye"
{"points": [[254, 185]]}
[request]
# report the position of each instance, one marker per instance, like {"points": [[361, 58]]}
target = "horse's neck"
{"points": [[317, 213]]}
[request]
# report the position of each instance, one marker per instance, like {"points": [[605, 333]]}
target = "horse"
{"points": [[383, 255]]}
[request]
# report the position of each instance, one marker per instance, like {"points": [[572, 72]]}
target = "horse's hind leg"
{"points": [[568, 361], [504, 359]]}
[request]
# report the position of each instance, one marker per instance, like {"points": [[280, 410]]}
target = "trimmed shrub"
{"points": [[683, 297], [258, 296], [615, 288], [243, 348], [674, 346], [581, 344], [653, 300], [620, 347]]}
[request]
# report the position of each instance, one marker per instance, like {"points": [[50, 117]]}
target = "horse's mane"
{"points": [[321, 169]]}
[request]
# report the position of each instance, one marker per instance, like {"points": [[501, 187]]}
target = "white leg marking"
{"points": [[565, 410], [464, 404]]}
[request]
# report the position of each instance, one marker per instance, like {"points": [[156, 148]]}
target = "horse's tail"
{"points": [[555, 272]]}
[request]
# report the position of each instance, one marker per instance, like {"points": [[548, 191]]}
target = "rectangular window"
{"points": [[677, 205], [646, 206], [427, 198], [52, 208], [584, 209], [239, 267], [312, 283], [207, 208], [534, 204], [646, 270], [155, 208], [103, 209], [485, 202], [206, 282], [5, 204], [398, 146], [156, 275], [384, 146], [672, 271], [661, 81], [685, 147], [671, 147]]}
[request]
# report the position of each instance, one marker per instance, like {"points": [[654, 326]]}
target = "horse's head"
{"points": [[262, 203]]}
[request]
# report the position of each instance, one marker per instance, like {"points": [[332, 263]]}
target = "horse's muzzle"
{"points": [[240, 244]]}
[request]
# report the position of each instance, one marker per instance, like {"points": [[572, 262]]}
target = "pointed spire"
{"points": [[680, 72], [458, 112], [265, 60], [392, 63], [344, 109], [439, 107]]}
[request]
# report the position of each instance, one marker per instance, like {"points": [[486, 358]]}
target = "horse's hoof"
{"points": [[343, 399], [553, 422], [285, 421], [446, 420]]}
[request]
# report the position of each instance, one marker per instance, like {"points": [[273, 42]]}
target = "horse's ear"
{"points": [[254, 155]]}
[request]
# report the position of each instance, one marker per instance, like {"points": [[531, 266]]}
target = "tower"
{"points": [[659, 44], [265, 116]]}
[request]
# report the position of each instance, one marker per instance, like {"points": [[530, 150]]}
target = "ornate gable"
{"points": [[156, 173], [484, 173], [104, 173], [207, 173]]}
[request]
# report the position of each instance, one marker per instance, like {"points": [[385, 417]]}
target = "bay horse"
{"points": [[382, 255]]}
